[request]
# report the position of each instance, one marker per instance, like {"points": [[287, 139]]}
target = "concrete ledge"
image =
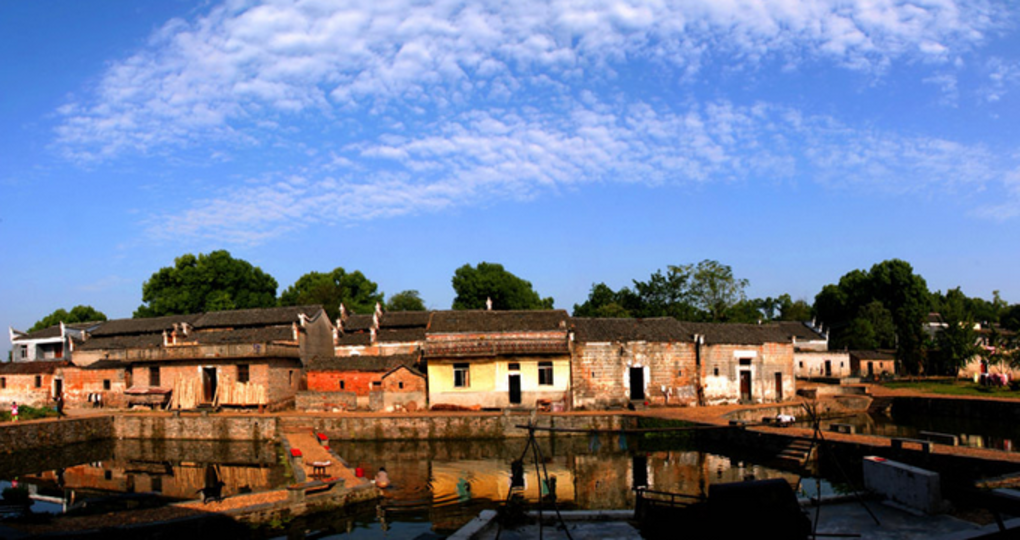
{"points": [[912, 487]]}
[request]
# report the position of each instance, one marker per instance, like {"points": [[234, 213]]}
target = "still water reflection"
{"points": [[438, 486]]}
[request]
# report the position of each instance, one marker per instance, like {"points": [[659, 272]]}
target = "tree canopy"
{"points": [[211, 282], [707, 291], [475, 284], [405, 301], [859, 308], [357, 293], [78, 314]]}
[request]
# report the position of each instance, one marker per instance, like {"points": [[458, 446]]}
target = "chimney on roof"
{"points": [[294, 327], [166, 341], [378, 310], [488, 304], [303, 319], [343, 311], [63, 330]]}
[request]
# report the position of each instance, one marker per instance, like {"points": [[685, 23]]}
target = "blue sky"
{"points": [[574, 142]]}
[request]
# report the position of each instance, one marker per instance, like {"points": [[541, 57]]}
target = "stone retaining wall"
{"points": [[424, 427], [195, 427], [26, 435]]}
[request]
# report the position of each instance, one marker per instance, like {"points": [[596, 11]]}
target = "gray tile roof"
{"points": [[736, 334], [798, 329], [404, 319], [255, 317], [38, 367], [362, 363], [659, 329], [448, 322]]}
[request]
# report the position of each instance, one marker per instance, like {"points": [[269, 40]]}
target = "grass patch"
{"points": [[954, 387], [28, 413]]}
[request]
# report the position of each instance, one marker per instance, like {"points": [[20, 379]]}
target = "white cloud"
{"points": [[205, 80], [475, 157]]}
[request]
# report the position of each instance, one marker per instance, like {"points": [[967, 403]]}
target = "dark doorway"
{"points": [[58, 387], [639, 471], [871, 369], [515, 389], [637, 383], [209, 384], [828, 368], [745, 386], [779, 386]]}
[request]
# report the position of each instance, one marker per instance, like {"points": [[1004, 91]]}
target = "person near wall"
{"points": [[60, 405], [14, 411], [382, 478]]}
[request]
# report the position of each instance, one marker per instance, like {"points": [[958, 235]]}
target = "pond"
{"points": [[438, 486], [991, 433]]}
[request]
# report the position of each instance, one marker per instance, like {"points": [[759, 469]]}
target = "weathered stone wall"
{"points": [[434, 426], [723, 372], [28, 434], [602, 378], [195, 427], [316, 401]]}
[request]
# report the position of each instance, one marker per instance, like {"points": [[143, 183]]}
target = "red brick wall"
{"points": [[21, 388], [79, 383], [359, 382]]}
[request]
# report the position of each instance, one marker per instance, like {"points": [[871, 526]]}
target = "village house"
{"points": [[381, 333], [30, 383], [366, 383], [616, 362], [243, 357], [873, 363], [53, 343], [745, 363], [498, 359]]}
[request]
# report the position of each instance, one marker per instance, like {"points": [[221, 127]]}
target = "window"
{"points": [[461, 376], [38, 381], [515, 367], [3, 382], [242, 373], [801, 364], [106, 384], [679, 373], [745, 361], [376, 383], [154, 376], [290, 377], [716, 372], [341, 385], [545, 373], [400, 385], [24, 352]]}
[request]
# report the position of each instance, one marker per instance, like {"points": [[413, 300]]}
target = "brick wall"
{"points": [[22, 388], [326, 401], [79, 383], [602, 373]]}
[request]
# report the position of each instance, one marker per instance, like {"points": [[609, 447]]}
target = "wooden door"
{"points": [[209, 384], [779, 386]]}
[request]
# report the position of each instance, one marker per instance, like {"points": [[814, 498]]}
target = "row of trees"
{"points": [[884, 307]]}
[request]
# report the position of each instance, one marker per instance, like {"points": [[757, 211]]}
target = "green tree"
{"points": [[667, 295], [957, 342], [357, 293], [1010, 318], [211, 282], [474, 285], [895, 286], [794, 310], [714, 289], [78, 314], [405, 301]]}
